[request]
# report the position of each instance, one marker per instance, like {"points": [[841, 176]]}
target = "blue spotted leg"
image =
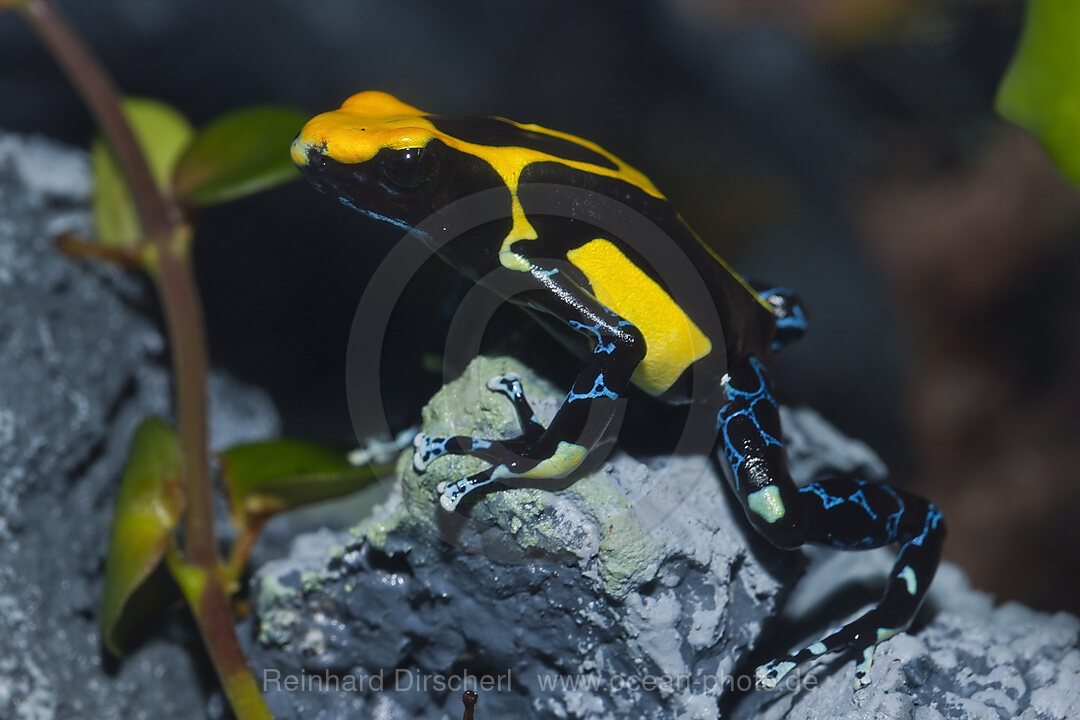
{"points": [[427, 448], [841, 512], [582, 419]]}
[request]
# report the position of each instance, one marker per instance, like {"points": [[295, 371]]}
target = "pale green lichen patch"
{"points": [[311, 581], [524, 513], [272, 593], [388, 515], [280, 616], [628, 555]]}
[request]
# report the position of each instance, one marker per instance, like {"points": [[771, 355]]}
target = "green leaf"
{"points": [[1041, 89], [240, 153], [269, 477], [148, 507], [162, 133]]}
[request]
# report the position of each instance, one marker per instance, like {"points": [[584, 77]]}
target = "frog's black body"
{"points": [[395, 163]]}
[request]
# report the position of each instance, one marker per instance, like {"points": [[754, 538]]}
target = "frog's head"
{"points": [[381, 157]]}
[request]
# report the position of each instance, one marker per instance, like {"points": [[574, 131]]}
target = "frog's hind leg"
{"points": [[843, 513], [853, 514]]}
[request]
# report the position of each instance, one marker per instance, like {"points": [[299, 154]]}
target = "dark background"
{"points": [[846, 148]]}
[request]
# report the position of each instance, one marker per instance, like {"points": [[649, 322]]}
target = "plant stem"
{"points": [[72, 245], [206, 596], [175, 284], [170, 266], [246, 536]]}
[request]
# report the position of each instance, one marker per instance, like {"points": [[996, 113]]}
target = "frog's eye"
{"points": [[408, 169]]}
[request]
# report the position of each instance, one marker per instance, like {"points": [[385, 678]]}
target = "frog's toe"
{"points": [[772, 672], [449, 496], [866, 659], [426, 449], [862, 670], [508, 384], [452, 493]]}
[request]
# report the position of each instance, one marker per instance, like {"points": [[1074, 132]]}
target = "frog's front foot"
{"points": [[426, 449], [502, 454], [452, 493]]}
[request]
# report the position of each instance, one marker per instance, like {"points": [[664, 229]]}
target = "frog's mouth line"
{"points": [[334, 178]]}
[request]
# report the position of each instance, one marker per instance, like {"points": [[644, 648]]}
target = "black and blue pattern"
{"points": [[841, 512], [744, 406], [755, 321]]}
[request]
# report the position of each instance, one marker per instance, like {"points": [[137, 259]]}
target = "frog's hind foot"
{"points": [[862, 635]]}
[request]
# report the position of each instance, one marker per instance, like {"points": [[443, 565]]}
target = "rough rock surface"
{"points": [[966, 658], [589, 584], [80, 368], [577, 584]]}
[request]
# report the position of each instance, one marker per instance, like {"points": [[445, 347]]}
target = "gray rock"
{"points": [[586, 586], [635, 571], [965, 658], [80, 370]]}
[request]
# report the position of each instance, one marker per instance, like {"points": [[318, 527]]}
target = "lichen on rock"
{"points": [[541, 584]]}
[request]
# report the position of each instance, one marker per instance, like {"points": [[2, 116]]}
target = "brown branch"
{"points": [[165, 253], [74, 246], [246, 536], [210, 607], [183, 318]]}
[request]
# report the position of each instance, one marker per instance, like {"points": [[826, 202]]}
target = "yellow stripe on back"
{"points": [[672, 341]]}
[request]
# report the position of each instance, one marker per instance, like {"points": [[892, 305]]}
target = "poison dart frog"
{"points": [[400, 165]]}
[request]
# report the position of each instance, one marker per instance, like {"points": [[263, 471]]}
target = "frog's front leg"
{"points": [[841, 512], [427, 448], [582, 419]]}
